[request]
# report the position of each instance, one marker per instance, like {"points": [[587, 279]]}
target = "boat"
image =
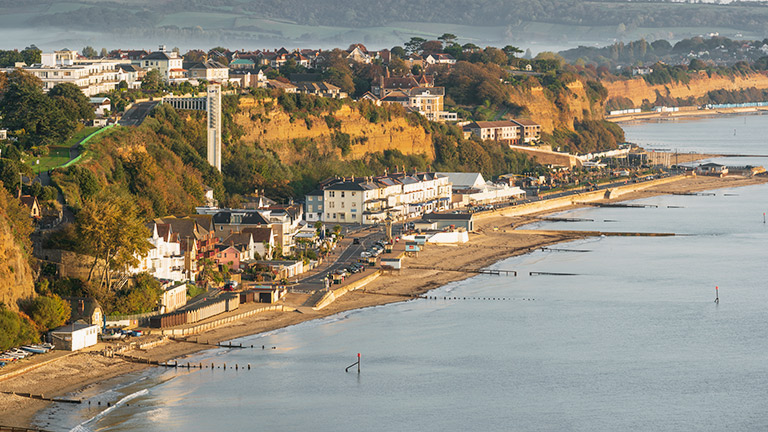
{"points": [[34, 349]]}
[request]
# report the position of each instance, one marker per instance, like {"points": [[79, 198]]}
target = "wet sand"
{"points": [[494, 240]]}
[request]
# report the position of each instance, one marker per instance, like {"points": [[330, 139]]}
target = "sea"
{"points": [[603, 334]]}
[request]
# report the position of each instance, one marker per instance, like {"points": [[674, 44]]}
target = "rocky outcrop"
{"points": [[16, 278], [263, 122], [557, 111], [638, 90]]}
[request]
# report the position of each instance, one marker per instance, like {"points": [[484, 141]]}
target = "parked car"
{"points": [[365, 254]]}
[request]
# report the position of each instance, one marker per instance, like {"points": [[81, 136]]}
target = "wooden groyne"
{"points": [[493, 272], [42, 398]]}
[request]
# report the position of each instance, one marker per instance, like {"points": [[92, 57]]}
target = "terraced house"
{"points": [[369, 200]]}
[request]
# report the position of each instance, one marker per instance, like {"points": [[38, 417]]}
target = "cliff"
{"points": [[638, 90], [557, 111], [16, 277], [261, 121]]}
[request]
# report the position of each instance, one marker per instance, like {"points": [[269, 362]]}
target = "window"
{"points": [[353, 193], [342, 204], [332, 194], [342, 194]]}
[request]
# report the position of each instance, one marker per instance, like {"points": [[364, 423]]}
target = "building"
{"points": [[264, 240], [196, 237], [451, 220], [90, 76], [530, 131], [268, 293], [73, 337], [174, 296], [502, 130], [85, 309], [232, 221], [165, 260], [32, 204], [170, 64], [471, 189], [211, 71], [370, 200], [441, 58], [322, 88], [228, 256], [712, 169], [101, 105], [313, 206]]}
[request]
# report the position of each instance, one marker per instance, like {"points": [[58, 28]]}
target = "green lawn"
{"points": [[59, 155]]}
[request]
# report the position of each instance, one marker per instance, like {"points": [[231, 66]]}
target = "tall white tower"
{"points": [[214, 125]]}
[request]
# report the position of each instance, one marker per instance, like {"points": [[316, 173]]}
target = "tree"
{"points": [[111, 232], [414, 45], [448, 38], [431, 47], [15, 329], [90, 52], [31, 54], [80, 108], [48, 312], [152, 80], [104, 53], [143, 297], [511, 51], [398, 51]]}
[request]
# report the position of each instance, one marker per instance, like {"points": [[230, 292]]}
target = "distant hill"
{"points": [[337, 22]]}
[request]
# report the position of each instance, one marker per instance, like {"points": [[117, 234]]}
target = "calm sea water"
{"points": [[632, 340]]}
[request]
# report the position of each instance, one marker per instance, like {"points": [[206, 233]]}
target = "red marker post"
{"points": [[717, 295], [358, 362]]}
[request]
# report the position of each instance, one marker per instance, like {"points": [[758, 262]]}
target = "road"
{"points": [[348, 256], [137, 113]]}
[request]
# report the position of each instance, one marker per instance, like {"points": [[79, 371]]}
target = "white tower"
{"points": [[214, 125]]}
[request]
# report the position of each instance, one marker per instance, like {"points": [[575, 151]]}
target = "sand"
{"points": [[494, 240]]}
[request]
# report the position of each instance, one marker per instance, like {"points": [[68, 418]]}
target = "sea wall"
{"points": [[332, 295], [586, 197], [219, 322]]}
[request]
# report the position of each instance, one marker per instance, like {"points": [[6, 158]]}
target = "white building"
{"points": [[369, 200], [76, 336], [165, 260], [174, 296], [170, 64], [91, 76], [472, 189]]}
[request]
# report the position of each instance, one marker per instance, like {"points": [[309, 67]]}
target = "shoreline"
{"points": [[495, 239], [720, 112]]}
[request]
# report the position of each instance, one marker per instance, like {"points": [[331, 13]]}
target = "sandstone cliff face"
{"points": [[273, 128], [574, 105], [16, 277], [638, 89]]}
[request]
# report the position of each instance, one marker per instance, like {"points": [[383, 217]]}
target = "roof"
{"points": [[525, 122], [260, 234], [99, 100], [464, 180], [491, 124], [238, 238], [71, 328], [82, 307], [157, 55], [239, 217], [184, 227], [448, 216], [316, 192], [28, 200], [210, 64], [306, 77], [241, 61]]}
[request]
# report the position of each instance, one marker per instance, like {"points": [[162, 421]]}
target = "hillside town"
{"points": [[175, 270]]}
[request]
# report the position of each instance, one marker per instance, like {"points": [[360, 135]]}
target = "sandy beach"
{"points": [[495, 239]]}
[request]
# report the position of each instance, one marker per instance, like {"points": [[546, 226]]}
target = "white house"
{"points": [[170, 64], [211, 71], [174, 296], [164, 260], [100, 105], [76, 336]]}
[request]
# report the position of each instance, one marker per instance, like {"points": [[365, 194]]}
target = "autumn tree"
{"points": [[111, 231], [48, 312]]}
